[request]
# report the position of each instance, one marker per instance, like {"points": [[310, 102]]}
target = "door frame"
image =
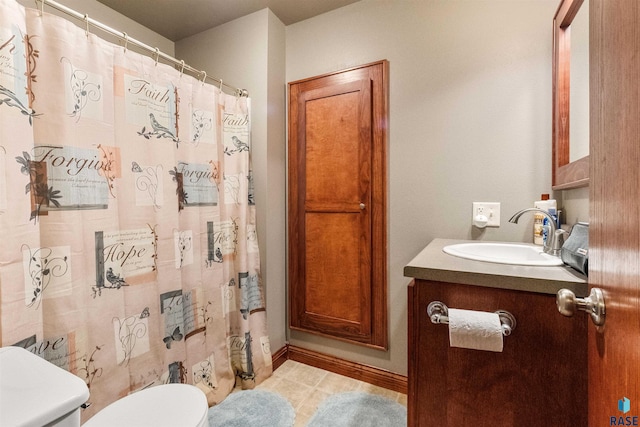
{"points": [[378, 338]]}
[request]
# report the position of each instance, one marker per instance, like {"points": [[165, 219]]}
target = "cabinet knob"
{"points": [[568, 303], [362, 206]]}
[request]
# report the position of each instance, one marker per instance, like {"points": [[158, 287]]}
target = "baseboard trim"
{"points": [[279, 357], [358, 371]]}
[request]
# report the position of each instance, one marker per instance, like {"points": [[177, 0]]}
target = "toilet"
{"points": [[36, 393]]}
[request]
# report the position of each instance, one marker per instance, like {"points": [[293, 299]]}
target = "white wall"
{"points": [[275, 196], [249, 53], [575, 203], [470, 120]]}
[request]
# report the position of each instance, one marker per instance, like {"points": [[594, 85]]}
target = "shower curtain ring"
{"points": [[181, 67], [125, 36], [221, 85], [204, 77], [157, 55], [41, 6], [86, 21]]}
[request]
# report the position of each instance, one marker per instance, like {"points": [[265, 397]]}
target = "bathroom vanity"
{"points": [[540, 377]]}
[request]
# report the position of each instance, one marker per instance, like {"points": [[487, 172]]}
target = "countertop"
{"points": [[435, 265]]}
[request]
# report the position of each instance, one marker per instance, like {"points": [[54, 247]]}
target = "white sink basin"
{"points": [[503, 253]]}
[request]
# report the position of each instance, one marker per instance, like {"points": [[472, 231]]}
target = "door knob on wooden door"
{"points": [[568, 303]]}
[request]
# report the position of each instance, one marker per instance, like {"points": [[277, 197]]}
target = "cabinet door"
{"points": [[539, 379], [337, 205]]}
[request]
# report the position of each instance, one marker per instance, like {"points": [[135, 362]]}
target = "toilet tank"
{"points": [[35, 392]]}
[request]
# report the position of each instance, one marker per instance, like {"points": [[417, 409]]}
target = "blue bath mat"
{"points": [[359, 409], [255, 408]]}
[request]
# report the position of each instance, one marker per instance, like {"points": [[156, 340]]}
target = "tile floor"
{"points": [[305, 387]]}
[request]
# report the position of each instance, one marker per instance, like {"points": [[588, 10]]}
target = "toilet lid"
{"points": [[34, 392], [167, 405]]}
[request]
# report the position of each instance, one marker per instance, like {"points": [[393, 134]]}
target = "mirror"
{"points": [[579, 89], [570, 133]]}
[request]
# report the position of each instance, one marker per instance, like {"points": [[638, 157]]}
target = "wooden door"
{"points": [[614, 239], [337, 205]]}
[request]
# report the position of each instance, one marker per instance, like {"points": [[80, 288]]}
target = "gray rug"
{"points": [[359, 409], [252, 408]]}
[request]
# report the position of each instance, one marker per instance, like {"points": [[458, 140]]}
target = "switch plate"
{"points": [[489, 209]]}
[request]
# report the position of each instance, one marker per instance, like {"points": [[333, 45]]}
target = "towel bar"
{"points": [[438, 312]]}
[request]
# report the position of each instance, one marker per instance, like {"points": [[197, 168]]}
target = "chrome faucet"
{"points": [[555, 237]]}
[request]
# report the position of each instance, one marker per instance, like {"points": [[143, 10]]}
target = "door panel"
{"points": [[614, 239], [333, 266], [334, 150], [337, 205]]}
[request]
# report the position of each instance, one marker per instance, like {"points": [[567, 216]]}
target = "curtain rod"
{"points": [[125, 37]]}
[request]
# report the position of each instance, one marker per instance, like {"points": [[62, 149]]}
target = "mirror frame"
{"points": [[565, 174]]}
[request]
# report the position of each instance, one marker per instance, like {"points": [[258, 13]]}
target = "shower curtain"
{"points": [[129, 254]]}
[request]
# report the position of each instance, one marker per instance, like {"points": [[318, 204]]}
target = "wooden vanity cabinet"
{"points": [[539, 379]]}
